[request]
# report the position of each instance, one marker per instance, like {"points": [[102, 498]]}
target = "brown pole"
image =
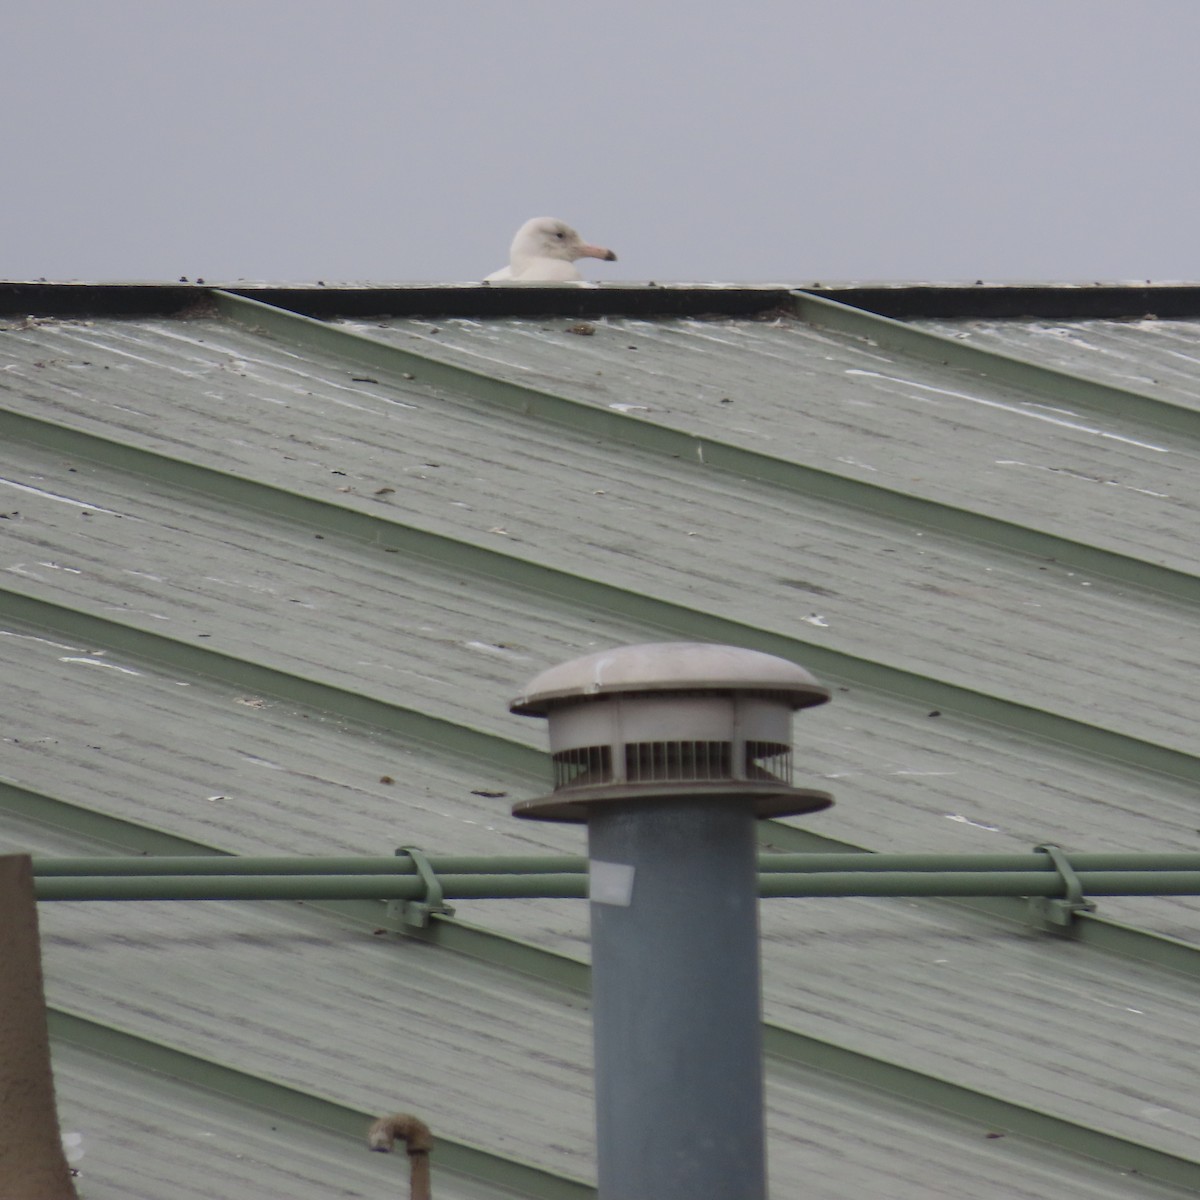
{"points": [[32, 1166], [418, 1142]]}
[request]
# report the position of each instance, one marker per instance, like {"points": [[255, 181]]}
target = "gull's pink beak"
{"points": [[588, 251]]}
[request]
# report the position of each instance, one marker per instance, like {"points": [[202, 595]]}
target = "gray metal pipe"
{"points": [[676, 1008], [572, 885]]}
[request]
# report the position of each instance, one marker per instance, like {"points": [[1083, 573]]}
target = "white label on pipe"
{"points": [[610, 883]]}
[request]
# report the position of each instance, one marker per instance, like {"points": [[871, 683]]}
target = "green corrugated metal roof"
{"points": [[255, 565], [150, 1137], [1152, 355]]}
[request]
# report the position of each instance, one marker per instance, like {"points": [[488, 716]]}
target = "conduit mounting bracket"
{"points": [[1052, 913], [418, 912]]}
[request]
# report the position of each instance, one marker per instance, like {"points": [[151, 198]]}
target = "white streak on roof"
{"points": [[258, 761], [241, 583], [95, 662], [29, 637], [698, 329], [109, 346], [24, 487], [491, 358], [1191, 358], [144, 612], [1016, 462], [72, 1144], [1051, 408], [264, 369], [1012, 408], [499, 651], [967, 821]]}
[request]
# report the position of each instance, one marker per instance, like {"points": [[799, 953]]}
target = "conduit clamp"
{"points": [[418, 912], [1054, 914]]}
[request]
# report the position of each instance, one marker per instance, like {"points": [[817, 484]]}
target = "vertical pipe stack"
{"points": [[669, 752], [676, 1003]]}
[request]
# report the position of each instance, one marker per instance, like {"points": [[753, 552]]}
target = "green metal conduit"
{"points": [[498, 887], [188, 864], [1035, 861], [305, 887], [575, 864]]}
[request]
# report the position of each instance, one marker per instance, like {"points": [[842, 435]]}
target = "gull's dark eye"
{"points": [[560, 234]]}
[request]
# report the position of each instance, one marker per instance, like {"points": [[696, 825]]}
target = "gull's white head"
{"points": [[544, 249], [546, 237]]}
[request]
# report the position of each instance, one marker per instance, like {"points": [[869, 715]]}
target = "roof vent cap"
{"points": [[671, 720]]}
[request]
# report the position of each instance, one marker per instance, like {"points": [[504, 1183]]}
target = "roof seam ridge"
{"points": [[693, 450], [304, 691], [666, 615], [132, 836], [920, 1088], [661, 614], [925, 343], [781, 1043], [195, 1070], [1091, 928]]}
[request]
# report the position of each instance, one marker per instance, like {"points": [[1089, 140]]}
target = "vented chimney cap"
{"points": [[671, 721], [669, 667]]}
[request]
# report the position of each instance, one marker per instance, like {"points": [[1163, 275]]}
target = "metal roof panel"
{"points": [[580, 530], [869, 585], [1159, 357], [840, 403]]}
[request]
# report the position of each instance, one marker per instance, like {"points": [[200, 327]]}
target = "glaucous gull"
{"points": [[544, 251]]}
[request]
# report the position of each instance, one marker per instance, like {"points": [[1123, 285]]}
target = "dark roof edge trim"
{"points": [[1062, 301]]}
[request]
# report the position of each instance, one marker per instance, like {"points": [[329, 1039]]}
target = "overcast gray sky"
{"points": [[810, 140]]}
